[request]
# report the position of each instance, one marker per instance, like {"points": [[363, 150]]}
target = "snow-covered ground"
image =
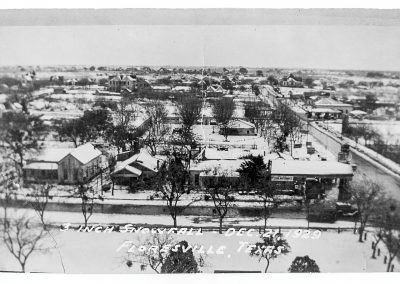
{"points": [[331, 129], [98, 253], [390, 130], [209, 134]]}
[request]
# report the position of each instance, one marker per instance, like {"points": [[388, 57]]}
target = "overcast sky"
{"points": [[332, 46]]}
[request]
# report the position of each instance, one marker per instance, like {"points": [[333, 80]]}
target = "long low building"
{"points": [[288, 176], [308, 169], [314, 177]]}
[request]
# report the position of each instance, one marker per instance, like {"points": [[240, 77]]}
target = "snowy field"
{"points": [[98, 253]]}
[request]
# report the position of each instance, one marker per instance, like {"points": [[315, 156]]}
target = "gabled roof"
{"points": [[143, 158], [117, 78], [238, 123], [85, 153], [215, 88]]}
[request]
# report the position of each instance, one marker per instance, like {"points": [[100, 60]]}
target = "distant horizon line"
{"points": [[199, 66]]}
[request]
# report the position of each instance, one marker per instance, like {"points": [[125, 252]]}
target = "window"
{"points": [[196, 179]]}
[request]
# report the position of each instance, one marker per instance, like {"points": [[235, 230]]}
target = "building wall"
{"points": [[71, 171], [240, 131], [36, 175]]}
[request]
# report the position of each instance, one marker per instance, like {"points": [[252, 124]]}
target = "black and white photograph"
{"points": [[219, 140]]}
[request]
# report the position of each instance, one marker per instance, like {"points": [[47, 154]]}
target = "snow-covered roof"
{"points": [[237, 153], [143, 158], [224, 165], [17, 106], [324, 110], [356, 98], [133, 170], [182, 88], [3, 98], [330, 102], [52, 154], [238, 123], [215, 88], [311, 168], [42, 166], [161, 87], [85, 153], [215, 154], [358, 112]]}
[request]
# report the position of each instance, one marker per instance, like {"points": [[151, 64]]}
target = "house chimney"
{"points": [[158, 164]]}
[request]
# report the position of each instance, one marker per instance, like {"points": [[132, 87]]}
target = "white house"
{"points": [[241, 127]]}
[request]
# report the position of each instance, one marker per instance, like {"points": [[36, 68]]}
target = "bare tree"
{"points": [[184, 142], [157, 128], [125, 112], [86, 195], [290, 124], [391, 234], [171, 182], [256, 112], [20, 236], [122, 133], [379, 222], [220, 186], [268, 128], [223, 110], [40, 195], [189, 109], [367, 196], [21, 133]]}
